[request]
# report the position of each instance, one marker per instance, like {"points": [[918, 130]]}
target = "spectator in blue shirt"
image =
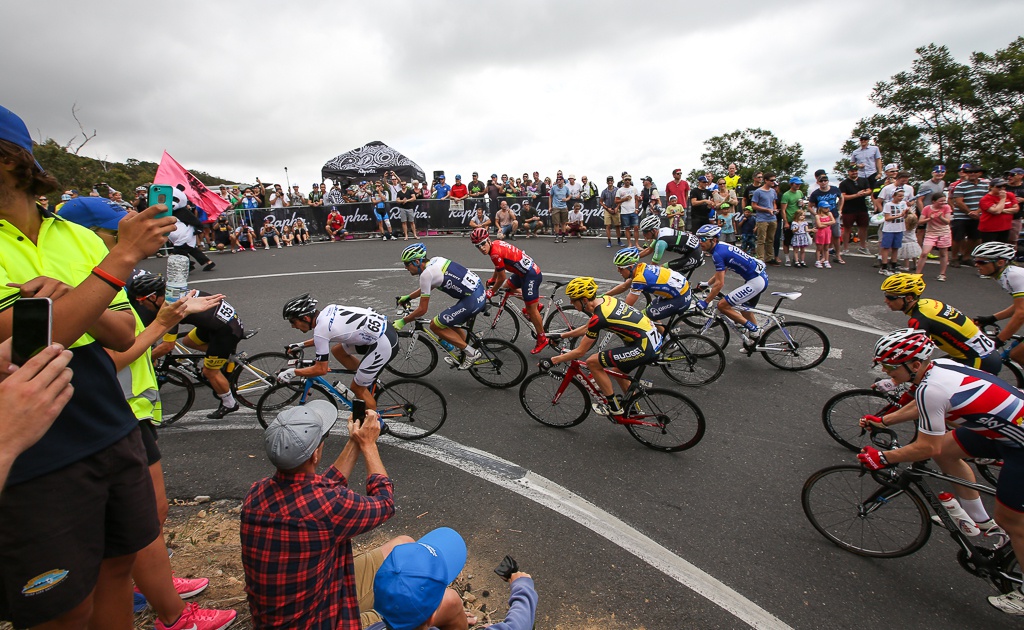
{"points": [[441, 189], [763, 202], [559, 208]]}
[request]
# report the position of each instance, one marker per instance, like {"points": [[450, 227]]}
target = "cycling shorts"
{"points": [[459, 313], [990, 363], [628, 358], [686, 264], [748, 293], [375, 356], [218, 347], [660, 309], [530, 285], [1010, 489], [381, 214]]}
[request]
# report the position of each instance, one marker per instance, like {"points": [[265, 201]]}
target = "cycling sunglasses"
{"points": [[890, 297], [978, 263]]}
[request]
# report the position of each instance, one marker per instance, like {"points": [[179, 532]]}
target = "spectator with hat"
{"points": [[611, 212], [997, 209], [441, 189], [648, 195], [575, 192], [531, 223], [675, 212], [792, 201], [891, 170], [966, 196], [868, 159], [297, 525], [681, 189], [626, 198]]}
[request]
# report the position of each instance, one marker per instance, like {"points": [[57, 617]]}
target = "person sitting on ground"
{"points": [[296, 526], [224, 234], [287, 235], [505, 219], [245, 236], [269, 233], [575, 224], [480, 220], [531, 223], [301, 233], [335, 225]]}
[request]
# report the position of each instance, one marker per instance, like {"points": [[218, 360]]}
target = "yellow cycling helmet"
{"points": [[583, 288], [904, 284]]}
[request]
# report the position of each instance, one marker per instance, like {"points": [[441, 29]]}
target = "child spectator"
{"points": [[823, 223], [746, 224], [575, 224], [894, 212], [910, 250], [726, 222], [675, 212], [287, 235], [937, 234], [801, 238], [301, 233]]}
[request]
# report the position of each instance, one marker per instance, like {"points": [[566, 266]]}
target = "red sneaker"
{"points": [[542, 342], [189, 588], [196, 618]]}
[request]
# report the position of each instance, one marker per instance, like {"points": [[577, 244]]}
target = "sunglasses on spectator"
{"points": [[722, 183], [822, 179], [771, 179]]}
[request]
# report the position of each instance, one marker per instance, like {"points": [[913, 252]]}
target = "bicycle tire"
{"points": [[848, 507], [809, 340], [501, 324], [717, 332], [411, 408], [414, 357], [282, 395], [680, 421], [501, 365], [990, 471], [841, 416], [537, 396], [563, 320], [254, 375], [692, 360], [1011, 567], [177, 394], [1018, 376]]}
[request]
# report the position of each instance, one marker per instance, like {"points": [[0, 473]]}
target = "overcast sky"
{"points": [[244, 89]]}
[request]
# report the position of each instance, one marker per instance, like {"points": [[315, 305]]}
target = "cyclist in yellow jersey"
{"points": [[607, 313]]}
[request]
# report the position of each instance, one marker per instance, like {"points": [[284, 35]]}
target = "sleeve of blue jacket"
{"points": [[522, 606]]}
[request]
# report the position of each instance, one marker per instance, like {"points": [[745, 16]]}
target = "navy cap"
{"points": [[93, 212], [939, 168], [1016, 171], [13, 130]]}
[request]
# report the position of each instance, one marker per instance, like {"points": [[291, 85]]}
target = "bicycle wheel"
{"points": [[177, 393], [1018, 377], [562, 320], [717, 332], [256, 374], [1009, 576], [497, 323], [989, 469], [847, 506], [414, 357], [842, 413], [692, 360], [283, 395], [500, 365], [412, 409], [671, 422], [800, 347], [540, 398]]}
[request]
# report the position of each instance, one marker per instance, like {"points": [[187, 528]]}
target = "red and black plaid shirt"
{"points": [[296, 548]]}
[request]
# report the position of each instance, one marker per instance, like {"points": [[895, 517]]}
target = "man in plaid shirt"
{"points": [[296, 526]]}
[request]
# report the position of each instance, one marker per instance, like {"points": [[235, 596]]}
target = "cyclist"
{"points": [[643, 341], [1000, 256], [352, 330], [451, 278], [525, 276], [665, 239], [755, 281], [216, 332], [669, 289], [986, 414]]}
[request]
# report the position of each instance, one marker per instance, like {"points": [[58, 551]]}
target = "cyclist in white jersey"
{"points": [[351, 330], [995, 260]]}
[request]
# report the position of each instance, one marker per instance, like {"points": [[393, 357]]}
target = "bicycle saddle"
{"points": [[787, 295], [249, 334]]}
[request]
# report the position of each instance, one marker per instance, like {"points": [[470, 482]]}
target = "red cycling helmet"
{"points": [[479, 235], [903, 345]]}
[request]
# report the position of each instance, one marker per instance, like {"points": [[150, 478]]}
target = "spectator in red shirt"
{"points": [[681, 189], [336, 225], [997, 210], [297, 526]]}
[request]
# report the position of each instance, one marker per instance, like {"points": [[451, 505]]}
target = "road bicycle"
{"points": [[501, 320], [660, 419], [885, 514], [501, 364], [411, 408], [792, 346], [179, 372]]}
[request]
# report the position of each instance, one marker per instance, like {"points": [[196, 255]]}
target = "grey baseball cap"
{"points": [[296, 432]]}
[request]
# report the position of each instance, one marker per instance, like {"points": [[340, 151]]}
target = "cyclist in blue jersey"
{"points": [[755, 281], [451, 278], [669, 290]]}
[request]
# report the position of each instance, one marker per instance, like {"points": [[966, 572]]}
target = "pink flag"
{"points": [[170, 172]]}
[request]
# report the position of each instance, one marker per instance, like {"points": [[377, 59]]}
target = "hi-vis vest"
{"points": [[139, 384]]}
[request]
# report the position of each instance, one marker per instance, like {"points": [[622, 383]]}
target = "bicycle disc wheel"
{"points": [[284, 395], [177, 393], [717, 332], [562, 320], [847, 506], [256, 374], [415, 356], [805, 346], [497, 324], [673, 422], [692, 360], [412, 409], [500, 365], [842, 413], [537, 396]]}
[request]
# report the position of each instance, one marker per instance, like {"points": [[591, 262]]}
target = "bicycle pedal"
{"points": [[451, 361]]}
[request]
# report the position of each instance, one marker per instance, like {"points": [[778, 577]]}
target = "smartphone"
{"points": [[31, 328], [358, 411], [159, 193]]}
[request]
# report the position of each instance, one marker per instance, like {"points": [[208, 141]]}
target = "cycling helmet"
{"points": [[581, 288], [903, 345], [479, 235], [145, 285], [650, 223], [904, 284], [416, 251], [299, 307], [994, 251], [707, 231], [626, 257]]}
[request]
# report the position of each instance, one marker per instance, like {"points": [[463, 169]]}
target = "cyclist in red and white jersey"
{"points": [[525, 275], [995, 260]]}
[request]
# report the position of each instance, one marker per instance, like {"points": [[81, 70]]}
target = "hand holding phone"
{"points": [[507, 567], [358, 411], [161, 194], [31, 328]]}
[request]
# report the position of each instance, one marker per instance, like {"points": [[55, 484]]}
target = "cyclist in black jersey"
{"points": [[661, 240]]}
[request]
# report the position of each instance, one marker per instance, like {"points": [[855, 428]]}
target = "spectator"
{"points": [[222, 192], [407, 209], [868, 159], [295, 197], [589, 193], [223, 234], [732, 179], [269, 233], [334, 196], [141, 199], [479, 220], [712, 186], [626, 198], [648, 193], [245, 236], [505, 219], [763, 202], [278, 198], [611, 212], [381, 213], [792, 202], [745, 225], [315, 199], [997, 209], [575, 223], [891, 238], [532, 224], [966, 195], [441, 189], [936, 217], [363, 194], [575, 192], [335, 225], [723, 198], [681, 189], [476, 188], [411, 585], [297, 526], [559, 209], [1015, 185], [748, 191], [508, 187], [183, 237], [418, 192], [395, 184], [830, 194], [891, 171], [301, 233], [493, 190], [855, 192], [249, 200], [115, 196], [702, 203], [287, 235]]}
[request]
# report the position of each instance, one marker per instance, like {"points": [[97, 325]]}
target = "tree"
{"points": [[751, 150]]}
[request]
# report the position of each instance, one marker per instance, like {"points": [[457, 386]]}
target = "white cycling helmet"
{"points": [[903, 345], [650, 223], [994, 251]]}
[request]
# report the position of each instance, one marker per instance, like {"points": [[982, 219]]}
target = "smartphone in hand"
{"points": [[31, 328], [358, 411], [159, 193]]}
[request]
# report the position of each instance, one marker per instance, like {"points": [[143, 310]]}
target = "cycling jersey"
{"points": [[728, 256], [450, 277], [348, 325], [673, 241], [951, 393], [222, 320], [625, 321], [660, 282], [952, 331], [511, 258], [1012, 280]]}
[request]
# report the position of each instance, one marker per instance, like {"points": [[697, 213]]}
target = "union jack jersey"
{"points": [[510, 257], [952, 393]]}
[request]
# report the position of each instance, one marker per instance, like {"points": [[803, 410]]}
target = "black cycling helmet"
{"points": [[145, 285], [299, 307]]}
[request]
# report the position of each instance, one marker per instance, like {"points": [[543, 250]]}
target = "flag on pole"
{"points": [[170, 172]]}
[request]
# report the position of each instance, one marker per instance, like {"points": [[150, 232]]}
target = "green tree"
{"points": [[751, 150]]}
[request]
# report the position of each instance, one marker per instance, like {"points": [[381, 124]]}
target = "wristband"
{"points": [[882, 458], [112, 281]]}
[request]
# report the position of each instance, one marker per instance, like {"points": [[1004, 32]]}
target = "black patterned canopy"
{"points": [[370, 162]]}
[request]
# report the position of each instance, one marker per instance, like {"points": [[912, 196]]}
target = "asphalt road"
{"points": [[705, 538]]}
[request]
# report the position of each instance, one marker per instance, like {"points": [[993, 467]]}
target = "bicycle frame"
{"points": [[578, 371], [384, 413]]}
